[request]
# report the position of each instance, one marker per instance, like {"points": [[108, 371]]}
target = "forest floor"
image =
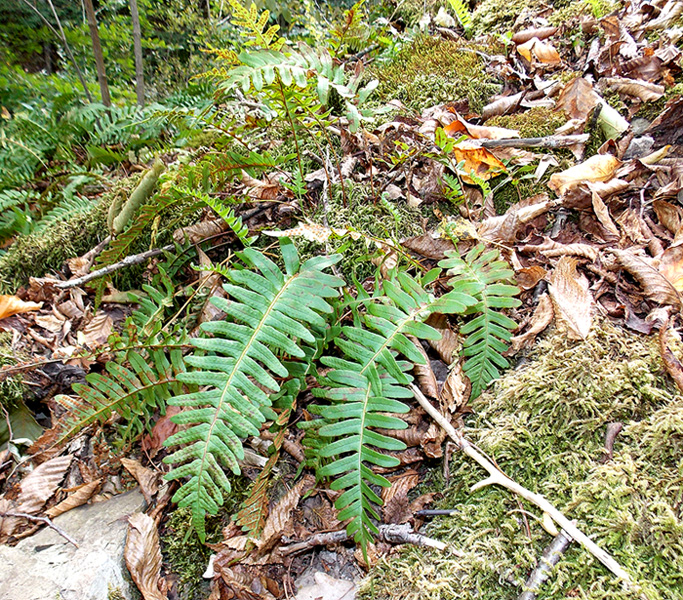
{"points": [[549, 134]]}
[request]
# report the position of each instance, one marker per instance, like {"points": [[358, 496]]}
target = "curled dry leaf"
{"points": [[428, 246], [460, 127], [542, 317], [534, 50], [504, 228], [279, 521], [448, 347], [75, 499], [528, 277], [456, 390], [146, 478], [40, 485], [502, 106], [602, 213], [671, 266], [540, 33], [600, 167], [477, 160], [143, 557], [424, 373], [671, 362], [656, 286], [200, 231], [396, 508], [12, 305], [638, 88], [97, 331], [572, 302], [669, 215], [551, 248]]}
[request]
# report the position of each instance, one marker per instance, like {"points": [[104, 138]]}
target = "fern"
{"points": [[363, 386], [268, 310], [224, 212], [462, 11], [66, 209], [255, 27], [483, 276]]}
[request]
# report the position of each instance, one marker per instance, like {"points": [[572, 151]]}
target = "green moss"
{"points": [[12, 391], [536, 122], [370, 218], [433, 70], [567, 11], [544, 424], [500, 15], [39, 253]]}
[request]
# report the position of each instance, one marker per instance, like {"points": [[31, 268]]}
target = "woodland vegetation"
{"points": [[396, 282]]}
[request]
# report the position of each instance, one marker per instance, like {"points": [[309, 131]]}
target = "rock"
{"points": [[639, 147], [46, 566], [639, 125]]}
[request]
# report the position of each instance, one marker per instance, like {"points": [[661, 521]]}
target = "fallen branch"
{"points": [[44, 520], [550, 557], [136, 259], [551, 141], [392, 534], [496, 477]]}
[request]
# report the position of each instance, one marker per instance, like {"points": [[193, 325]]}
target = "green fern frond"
{"points": [[66, 209], [364, 386], [486, 278], [254, 26], [269, 311], [462, 11], [226, 213]]}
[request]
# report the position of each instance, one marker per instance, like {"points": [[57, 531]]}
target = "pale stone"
{"points": [[47, 567]]}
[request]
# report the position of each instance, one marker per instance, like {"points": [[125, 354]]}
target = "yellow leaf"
{"points": [[600, 167], [12, 305]]}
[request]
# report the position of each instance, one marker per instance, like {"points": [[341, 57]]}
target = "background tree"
{"points": [[137, 45], [97, 52]]}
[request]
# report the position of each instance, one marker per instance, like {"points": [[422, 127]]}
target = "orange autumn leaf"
{"points": [[12, 305], [542, 52], [461, 127], [477, 160]]}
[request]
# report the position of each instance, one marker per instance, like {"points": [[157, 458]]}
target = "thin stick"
{"points": [[551, 141], [499, 478], [44, 520], [550, 557], [135, 259]]}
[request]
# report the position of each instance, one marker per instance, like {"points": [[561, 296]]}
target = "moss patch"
{"points": [[544, 424], [432, 71], [500, 15], [536, 122]]}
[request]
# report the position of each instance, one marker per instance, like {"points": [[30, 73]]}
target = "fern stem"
{"points": [[291, 123]]}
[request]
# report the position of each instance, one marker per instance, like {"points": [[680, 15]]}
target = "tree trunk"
{"points": [[137, 45], [97, 51]]}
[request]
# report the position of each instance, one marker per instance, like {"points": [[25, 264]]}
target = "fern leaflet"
{"points": [[268, 309], [483, 276]]}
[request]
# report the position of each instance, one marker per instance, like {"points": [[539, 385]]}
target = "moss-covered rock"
{"points": [[432, 70], [544, 424], [500, 15]]}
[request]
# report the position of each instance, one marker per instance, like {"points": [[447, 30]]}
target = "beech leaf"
{"points": [[143, 556], [656, 286], [572, 302]]}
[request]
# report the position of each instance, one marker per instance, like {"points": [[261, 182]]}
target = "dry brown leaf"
{"points": [[671, 266], [551, 248], [572, 302], [669, 215], [656, 286], [75, 499], [41, 483], [163, 429], [396, 507], [279, 521], [542, 317], [143, 557], [456, 390], [602, 213], [502, 106], [13, 305], [147, 478], [528, 277], [643, 90], [448, 347], [534, 50], [600, 167], [460, 127], [200, 231], [504, 228], [97, 331], [268, 189], [314, 232], [577, 99], [50, 322], [428, 246], [540, 33], [424, 373], [670, 360]]}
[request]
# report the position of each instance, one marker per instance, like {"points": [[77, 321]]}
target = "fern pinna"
{"points": [[485, 277], [365, 385], [270, 313]]}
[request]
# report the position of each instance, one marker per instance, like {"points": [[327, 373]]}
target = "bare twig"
{"points": [[135, 259], [44, 520], [550, 557], [551, 141], [496, 477]]}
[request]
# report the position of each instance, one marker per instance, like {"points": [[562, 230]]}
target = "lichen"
{"points": [[433, 70], [544, 424]]}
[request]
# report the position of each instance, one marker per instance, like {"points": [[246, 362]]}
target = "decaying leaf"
{"points": [[12, 305], [542, 317], [656, 286], [97, 331], [459, 127], [143, 557], [424, 373], [396, 505], [602, 213], [600, 167], [477, 160], [669, 215], [577, 99], [671, 266], [456, 390], [40, 485], [75, 499], [314, 232], [551, 248], [428, 245], [146, 478], [504, 228], [535, 50], [643, 90], [448, 347], [572, 302], [671, 362], [528, 277]]}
